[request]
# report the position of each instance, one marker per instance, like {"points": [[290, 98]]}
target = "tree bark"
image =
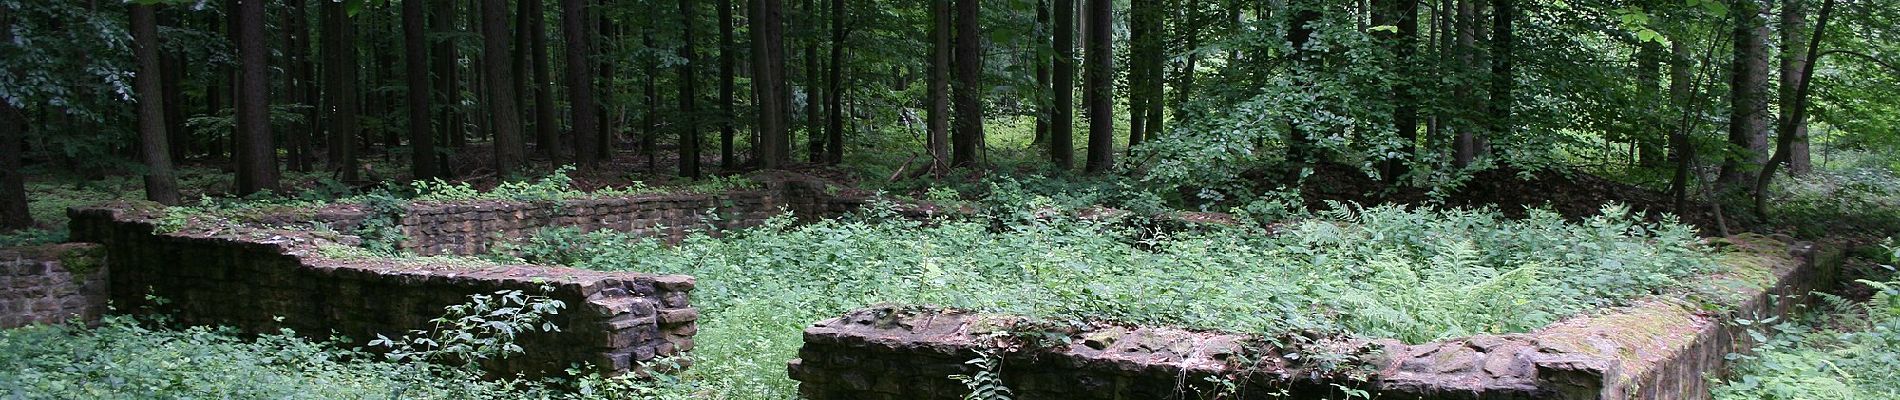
{"points": [[547, 119], [1748, 118], [1465, 145], [1503, 63], [415, 44], [448, 78], [1300, 30], [834, 80], [1797, 112], [967, 139], [160, 186], [606, 32], [1062, 114], [580, 81], [1099, 86], [339, 89], [1680, 147], [938, 143], [1794, 58], [1403, 15], [726, 79], [768, 65], [689, 120], [1648, 81], [498, 82], [257, 156], [297, 138], [1042, 75]]}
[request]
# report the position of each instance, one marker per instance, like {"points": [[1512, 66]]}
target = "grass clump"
{"points": [[1412, 274]]}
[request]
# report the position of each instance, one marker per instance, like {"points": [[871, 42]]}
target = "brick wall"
{"points": [[51, 284], [1655, 349]]}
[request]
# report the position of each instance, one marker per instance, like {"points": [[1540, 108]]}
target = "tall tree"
{"points": [[968, 138], [415, 46], [1099, 86], [160, 186], [296, 54], [834, 80], [1403, 15], [726, 78], [1042, 31], [814, 84], [14, 213], [1649, 57], [499, 84], [1748, 93], [256, 151], [1681, 91], [580, 84], [1062, 113], [938, 144], [1796, 112], [1146, 58], [1300, 30], [1465, 147], [768, 66], [1503, 64], [339, 88], [1794, 59], [689, 120], [547, 120], [448, 82]]}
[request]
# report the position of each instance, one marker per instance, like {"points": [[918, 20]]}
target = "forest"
{"points": [[1311, 173]]}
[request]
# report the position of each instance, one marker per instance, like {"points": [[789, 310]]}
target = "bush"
{"points": [[1416, 275]]}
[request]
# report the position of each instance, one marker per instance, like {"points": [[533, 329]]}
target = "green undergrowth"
{"points": [[1411, 274], [1850, 350]]}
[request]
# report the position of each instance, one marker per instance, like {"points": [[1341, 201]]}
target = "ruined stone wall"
{"points": [[475, 227], [51, 284], [261, 280], [1662, 348]]}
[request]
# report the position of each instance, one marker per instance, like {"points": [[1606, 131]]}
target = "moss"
{"points": [[82, 259]]}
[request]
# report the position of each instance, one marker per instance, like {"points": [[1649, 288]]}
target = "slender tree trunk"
{"points": [[967, 139], [1503, 64], [726, 78], [1797, 113], [689, 120], [1141, 41], [1299, 32], [834, 78], [415, 45], [257, 156], [1042, 75], [14, 213], [1465, 145], [768, 66], [814, 83], [1062, 116], [498, 82], [1748, 118], [609, 127], [339, 89], [580, 84], [650, 120], [297, 138], [1649, 57], [938, 144], [160, 186], [547, 119], [1794, 58], [1099, 86], [173, 65], [1680, 147], [1402, 14], [448, 84]]}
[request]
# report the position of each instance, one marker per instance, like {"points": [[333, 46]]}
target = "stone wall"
{"points": [[261, 279], [1656, 349], [51, 284]]}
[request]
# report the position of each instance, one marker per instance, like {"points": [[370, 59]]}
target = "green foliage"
{"points": [[1853, 198], [987, 382], [381, 231], [1858, 360], [481, 329], [1416, 275]]}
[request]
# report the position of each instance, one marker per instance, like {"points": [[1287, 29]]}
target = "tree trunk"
{"points": [[1300, 30], [813, 83], [1099, 86], [1797, 113], [1139, 43], [448, 83], [257, 156], [726, 77], [1465, 145], [1062, 116], [1748, 118], [1042, 75], [689, 121], [547, 119], [498, 83], [297, 138], [967, 139], [834, 79], [339, 89], [1402, 14], [1648, 82], [1503, 63], [938, 143], [580, 81], [173, 66], [160, 186], [650, 93], [415, 45], [1680, 147], [606, 32], [768, 66], [1794, 58], [14, 213]]}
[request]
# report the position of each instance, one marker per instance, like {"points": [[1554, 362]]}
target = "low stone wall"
{"points": [[51, 284], [261, 280], [1656, 349]]}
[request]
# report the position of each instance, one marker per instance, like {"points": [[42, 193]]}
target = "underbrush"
{"points": [[1414, 275], [1842, 202], [1851, 351]]}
